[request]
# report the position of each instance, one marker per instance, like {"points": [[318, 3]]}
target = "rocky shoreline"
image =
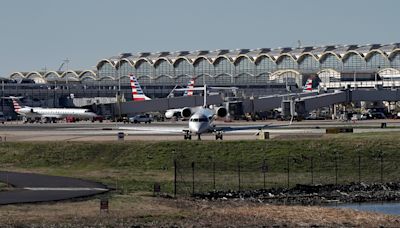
{"points": [[313, 194]]}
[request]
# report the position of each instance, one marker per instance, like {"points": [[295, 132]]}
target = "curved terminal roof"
{"points": [[287, 55]]}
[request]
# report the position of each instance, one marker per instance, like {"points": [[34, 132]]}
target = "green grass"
{"points": [[136, 166]]}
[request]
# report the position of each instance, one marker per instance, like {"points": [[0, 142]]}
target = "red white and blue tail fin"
{"points": [[137, 92], [308, 86], [190, 87], [16, 104]]}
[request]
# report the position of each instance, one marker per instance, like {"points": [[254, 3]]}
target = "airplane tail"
{"points": [[16, 104], [137, 92], [190, 87], [308, 86]]}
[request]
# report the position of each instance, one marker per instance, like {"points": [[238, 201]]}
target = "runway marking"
{"points": [[65, 189]]}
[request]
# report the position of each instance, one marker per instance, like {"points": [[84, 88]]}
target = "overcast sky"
{"points": [[41, 33]]}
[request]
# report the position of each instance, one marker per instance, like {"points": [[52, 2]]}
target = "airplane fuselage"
{"points": [[58, 113]]}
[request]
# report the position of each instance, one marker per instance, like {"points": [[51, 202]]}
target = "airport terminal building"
{"points": [[255, 72]]}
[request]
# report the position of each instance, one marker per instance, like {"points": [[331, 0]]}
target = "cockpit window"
{"points": [[201, 119]]}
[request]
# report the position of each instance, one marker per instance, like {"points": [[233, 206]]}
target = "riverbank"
{"points": [[313, 194]]}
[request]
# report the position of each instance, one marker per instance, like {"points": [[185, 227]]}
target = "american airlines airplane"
{"points": [[201, 122], [50, 114], [186, 112]]}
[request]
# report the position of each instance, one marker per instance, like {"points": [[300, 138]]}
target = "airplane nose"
{"points": [[194, 127]]}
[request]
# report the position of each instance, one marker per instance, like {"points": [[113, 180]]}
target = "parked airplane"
{"points": [[49, 114], [186, 112]]}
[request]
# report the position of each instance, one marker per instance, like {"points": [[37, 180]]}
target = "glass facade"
{"points": [[377, 60], [331, 61], [395, 60], [353, 62]]}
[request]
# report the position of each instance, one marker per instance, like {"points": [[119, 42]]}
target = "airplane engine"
{"points": [[221, 112], [169, 114], [186, 112]]}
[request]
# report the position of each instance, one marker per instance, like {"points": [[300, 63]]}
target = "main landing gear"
{"points": [[218, 135], [187, 135]]}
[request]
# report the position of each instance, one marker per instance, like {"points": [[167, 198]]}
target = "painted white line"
{"points": [[66, 189]]}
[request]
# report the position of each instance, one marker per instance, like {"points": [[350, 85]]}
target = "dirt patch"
{"points": [[129, 210]]}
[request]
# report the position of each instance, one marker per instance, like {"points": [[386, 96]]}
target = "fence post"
{"points": [[192, 178], [239, 176], [312, 171], [288, 171], [264, 169], [175, 173], [359, 169], [214, 175], [381, 168], [336, 169]]}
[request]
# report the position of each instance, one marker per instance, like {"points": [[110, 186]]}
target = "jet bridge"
{"points": [[163, 104], [305, 105]]}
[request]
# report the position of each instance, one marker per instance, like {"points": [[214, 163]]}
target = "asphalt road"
{"points": [[31, 188]]}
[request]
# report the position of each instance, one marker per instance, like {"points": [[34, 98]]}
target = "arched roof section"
{"points": [[260, 57], [70, 72], [196, 61], [304, 55], [180, 59], [245, 78], [106, 78], [144, 80], [289, 76], [281, 56], [163, 67], [394, 53], [87, 78], [389, 71], [221, 79], [70, 75], [36, 76], [124, 60], [240, 57], [161, 59], [328, 53], [372, 52], [280, 72], [351, 52], [15, 75], [329, 75], [87, 73], [220, 58], [104, 61], [49, 73], [183, 79], [164, 80], [33, 73], [142, 60]]}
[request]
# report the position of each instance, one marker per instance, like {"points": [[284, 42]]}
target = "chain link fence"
{"points": [[192, 177]]}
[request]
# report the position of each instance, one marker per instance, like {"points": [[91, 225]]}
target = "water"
{"points": [[382, 207]]}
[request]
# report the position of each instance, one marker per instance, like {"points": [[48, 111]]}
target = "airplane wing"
{"points": [[154, 130], [250, 127]]}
